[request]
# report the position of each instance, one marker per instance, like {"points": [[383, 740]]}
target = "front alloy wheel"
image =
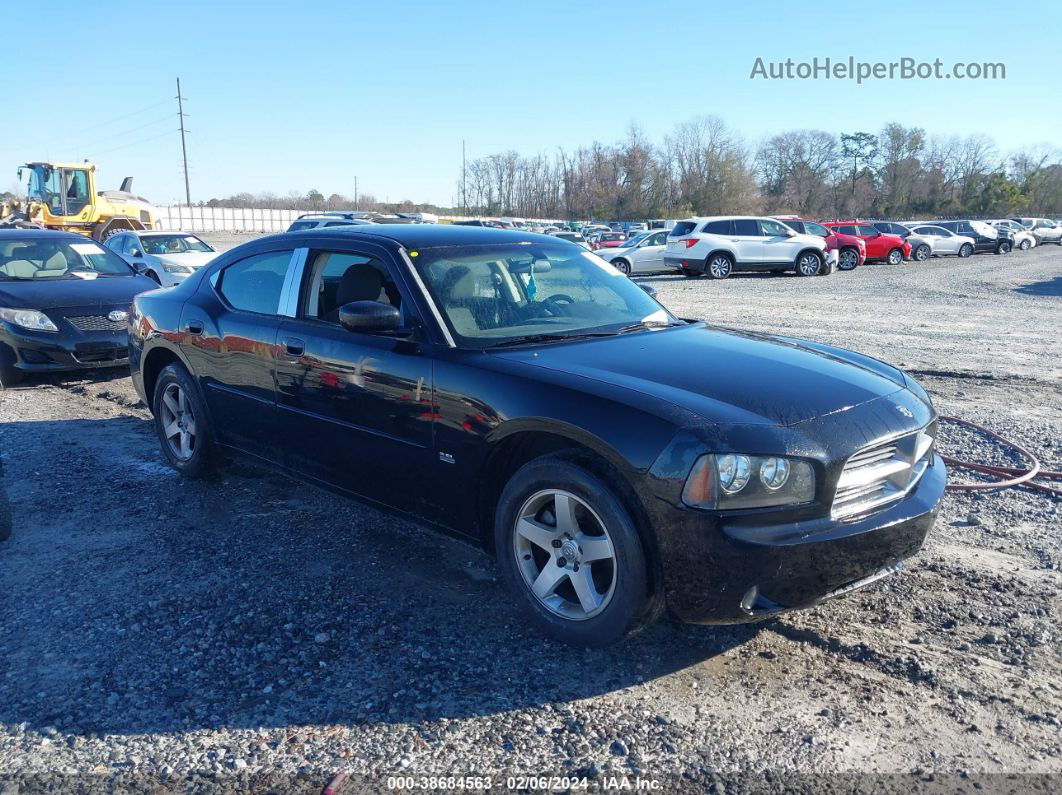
{"points": [[1025, 245], [565, 555], [965, 250], [895, 257], [849, 259], [809, 264]]}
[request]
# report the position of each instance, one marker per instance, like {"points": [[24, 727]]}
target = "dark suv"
{"points": [[987, 239]]}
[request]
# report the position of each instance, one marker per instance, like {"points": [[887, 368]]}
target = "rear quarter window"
{"points": [[682, 228], [717, 228], [254, 284]]}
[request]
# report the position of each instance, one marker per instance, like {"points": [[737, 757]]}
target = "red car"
{"points": [[608, 240], [851, 250], [892, 249]]}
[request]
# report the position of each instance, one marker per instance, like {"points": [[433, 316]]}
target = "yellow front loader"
{"points": [[63, 196]]}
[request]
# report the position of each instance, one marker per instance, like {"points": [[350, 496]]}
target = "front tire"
{"points": [[965, 250], [848, 259], [181, 423], [809, 264], [921, 254], [1025, 245], [719, 266], [1004, 247], [570, 553], [895, 257], [622, 266]]}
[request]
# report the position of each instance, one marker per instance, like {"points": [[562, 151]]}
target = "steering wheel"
{"points": [[554, 303]]}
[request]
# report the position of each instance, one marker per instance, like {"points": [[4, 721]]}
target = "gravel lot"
{"points": [[249, 633]]}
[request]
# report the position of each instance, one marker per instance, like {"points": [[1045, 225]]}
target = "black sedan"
{"points": [[63, 303], [516, 389]]}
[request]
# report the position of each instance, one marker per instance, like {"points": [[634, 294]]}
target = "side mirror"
{"points": [[648, 288], [135, 252], [369, 317], [789, 232]]}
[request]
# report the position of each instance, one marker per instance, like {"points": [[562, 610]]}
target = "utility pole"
{"points": [[184, 149], [356, 205], [464, 184]]}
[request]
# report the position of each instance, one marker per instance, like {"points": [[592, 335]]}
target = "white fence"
{"points": [[225, 219]]}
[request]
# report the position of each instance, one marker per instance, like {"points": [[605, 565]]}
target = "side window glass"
{"points": [[747, 227], [337, 278], [773, 229], [717, 228], [254, 284]]}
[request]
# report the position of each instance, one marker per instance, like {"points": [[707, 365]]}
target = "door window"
{"points": [[340, 277], [77, 192], [816, 229], [255, 284], [774, 229], [659, 239], [746, 227]]}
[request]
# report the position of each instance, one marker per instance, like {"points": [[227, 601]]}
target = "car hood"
{"points": [[56, 293], [193, 259], [725, 375]]}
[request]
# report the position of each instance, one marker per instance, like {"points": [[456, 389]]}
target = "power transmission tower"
{"points": [[184, 149]]}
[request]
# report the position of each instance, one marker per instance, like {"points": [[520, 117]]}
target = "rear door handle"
{"points": [[194, 327], [293, 346]]}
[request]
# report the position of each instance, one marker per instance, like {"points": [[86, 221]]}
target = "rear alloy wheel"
{"points": [[848, 260], [895, 257], [569, 551], [965, 250], [719, 266], [622, 266], [1004, 247], [809, 264], [181, 423], [921, 254]]}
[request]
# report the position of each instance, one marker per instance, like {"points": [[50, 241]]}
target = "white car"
{"points": [[643, 253], [945, 242], [166, 257], [571, 237], [312, 221], [718, 246], [1045, 230], [1023, 238]]}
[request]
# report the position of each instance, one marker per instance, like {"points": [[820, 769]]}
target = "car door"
{"points": [[649, 256], [944, 242], [778, 243], [228, 334], [747, 240], [355, 408]]}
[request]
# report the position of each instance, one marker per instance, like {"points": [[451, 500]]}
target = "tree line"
{"points": [[703, 167]]}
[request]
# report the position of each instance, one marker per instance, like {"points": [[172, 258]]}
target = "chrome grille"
{"points": [[878, 475], [96, 323]]}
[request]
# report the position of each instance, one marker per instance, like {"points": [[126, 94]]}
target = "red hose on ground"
{"points": [[1021, 477]]}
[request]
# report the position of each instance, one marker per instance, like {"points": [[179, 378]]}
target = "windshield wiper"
{"points": [[641, 325], [542, 338]]}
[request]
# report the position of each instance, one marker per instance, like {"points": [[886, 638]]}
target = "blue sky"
{"points": [[286, 96]]}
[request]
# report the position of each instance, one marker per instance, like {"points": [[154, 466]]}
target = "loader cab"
{"points": [[65, 190]]}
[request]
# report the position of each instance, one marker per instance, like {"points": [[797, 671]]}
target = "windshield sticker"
{"points": [[86, 248]]}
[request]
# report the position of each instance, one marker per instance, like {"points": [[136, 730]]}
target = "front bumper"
{"points": [[722, 571], [55, 352]]}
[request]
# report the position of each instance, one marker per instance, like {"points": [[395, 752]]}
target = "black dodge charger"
{"points": [[63, 303], [516, 389]]}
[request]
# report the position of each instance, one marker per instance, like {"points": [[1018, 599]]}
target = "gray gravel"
{"points": [[245, 632]]}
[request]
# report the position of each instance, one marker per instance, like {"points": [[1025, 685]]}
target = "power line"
{"points": [[91, 127], [134, 143], [109, 138]]}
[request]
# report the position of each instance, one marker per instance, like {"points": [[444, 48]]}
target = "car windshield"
{"points": [[173, 244], [637, 239], [493, 295], [40, 258]]}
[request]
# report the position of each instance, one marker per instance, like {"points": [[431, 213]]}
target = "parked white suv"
{"points": [[718, 246]]}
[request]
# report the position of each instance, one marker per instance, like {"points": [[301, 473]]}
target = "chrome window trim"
{"points": [[289, 293], [440, 321]]}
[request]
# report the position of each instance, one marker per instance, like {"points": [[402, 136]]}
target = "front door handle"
{"points": [[194, 327], [293, 346]]}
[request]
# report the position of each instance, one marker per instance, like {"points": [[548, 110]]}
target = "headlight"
{"points": [[170, 267], [28, 318], [732, 480]]}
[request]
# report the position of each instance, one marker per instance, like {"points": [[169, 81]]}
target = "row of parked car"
{"points": [[718, 246]]}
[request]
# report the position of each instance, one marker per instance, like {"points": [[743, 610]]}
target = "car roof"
{"points": [[37, 234], [413, 236], [158, 232]]}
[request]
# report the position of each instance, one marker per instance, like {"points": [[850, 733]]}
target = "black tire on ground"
{"points": [[895, 257], [1025, 245], [719, 266], [848, 259], [809, 264], [9, 374], [922, 253], [622, 265], [201, 460], [628, 608], [965, 250], [1004, 247]]}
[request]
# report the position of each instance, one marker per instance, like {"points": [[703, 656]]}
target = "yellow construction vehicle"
{"points": [[63, 196]]}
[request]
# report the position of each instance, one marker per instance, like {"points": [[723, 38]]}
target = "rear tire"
{"points": [[922, 253], [562, 532], [809, 264], [181, 423], [1004, 247], [719, 266], [622, 266]]}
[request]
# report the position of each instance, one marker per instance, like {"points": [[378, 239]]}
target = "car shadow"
{"points": [[149, 603], [1051, 286], [67, 378]]}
